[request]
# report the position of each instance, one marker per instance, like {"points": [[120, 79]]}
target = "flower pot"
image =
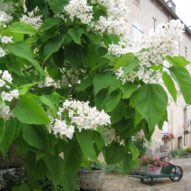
{"points": [[91, 179], [151, 169]]}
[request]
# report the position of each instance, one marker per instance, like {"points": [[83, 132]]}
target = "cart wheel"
{"points": [[142, 180], [177, 174]]}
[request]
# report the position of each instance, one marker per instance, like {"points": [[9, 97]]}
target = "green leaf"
{"points": [[114, 153], [23, 187], [151, 102], [32, 137], [102, 81], [85, 140], [55, 167], [57, 6], [129, 61], [2, 129], [118, 113], [30, 112], [9, 135], [128, 90], [46, 99], [169, 85], [21, 50], [49, 23], [183, 79], [134, 151], [72, 156], [76, 34], [177, 61], [86, 83], [52, 46], [25, 88], [115, 84], [23, 28], [111, 101]]}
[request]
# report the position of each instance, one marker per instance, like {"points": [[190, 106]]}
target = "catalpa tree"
{"points": [[74, 84]]}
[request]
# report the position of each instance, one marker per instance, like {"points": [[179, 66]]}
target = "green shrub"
{"points": [[180, 153]]}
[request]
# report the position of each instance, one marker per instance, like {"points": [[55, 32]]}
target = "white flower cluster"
{"points": [[33, 18], [116, 21], [4, 40], [7, 94], [2, 52], [50, 82], [76, 114], [150, 50], [4, 18], [79, 9], [109, 135]]}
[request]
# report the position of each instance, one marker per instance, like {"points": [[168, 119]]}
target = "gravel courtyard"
{"points": [[124, 183]]}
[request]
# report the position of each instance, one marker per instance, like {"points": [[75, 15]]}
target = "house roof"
{"points": [[174, 15]]}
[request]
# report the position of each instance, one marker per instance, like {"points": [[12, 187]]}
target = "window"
{"points": [[137, 31], [154, 23], [186, 51], [137, 2]]}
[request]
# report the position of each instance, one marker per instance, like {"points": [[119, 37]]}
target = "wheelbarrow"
{"points": [[171, 171]]}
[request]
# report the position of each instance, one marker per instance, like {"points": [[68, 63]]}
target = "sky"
{"points": [[183, 10]]}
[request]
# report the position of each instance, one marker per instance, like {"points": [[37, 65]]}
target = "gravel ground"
{"points": [[124, 183]]}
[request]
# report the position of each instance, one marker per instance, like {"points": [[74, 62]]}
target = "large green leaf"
{"points": [[47, 100], [183, 78], [49, 23], [102, 81], [2, 129], [151, 102], [21, 50], [32, 137], [134, 151], [23, 28], [52, 46], [112, 101], [85, 139], [127, 61], [127, 90], [30, 112], [113, 153], [76, 34], [9, 135], [57, 6], [55, 165], [177, 61], [169, 85]]}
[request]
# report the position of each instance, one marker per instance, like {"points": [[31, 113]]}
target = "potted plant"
{"points": [[152, 165], [167, 137]]}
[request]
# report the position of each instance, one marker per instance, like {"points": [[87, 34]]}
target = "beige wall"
{"points": [[142, 16]]}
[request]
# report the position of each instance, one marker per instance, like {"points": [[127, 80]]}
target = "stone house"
{"points": [[145, 15]]}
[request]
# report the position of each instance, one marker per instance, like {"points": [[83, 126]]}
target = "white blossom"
{"points": [[32, 18], [6, 96], [5, 112], [116, 20], [150, 50], [79, 9], [80, 116], [7, 76], [6, 39], [2, 52], [50, 82], [4, 18]]}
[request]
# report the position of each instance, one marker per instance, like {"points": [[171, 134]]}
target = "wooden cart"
{"points": [[173, 172]]}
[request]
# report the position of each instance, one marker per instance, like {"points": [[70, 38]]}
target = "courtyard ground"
{"points": [[124, 183]]}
